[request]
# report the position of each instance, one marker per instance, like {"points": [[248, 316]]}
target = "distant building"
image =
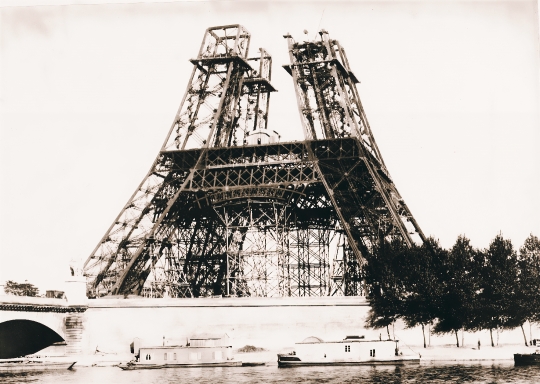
{"points": [[54, 294]]}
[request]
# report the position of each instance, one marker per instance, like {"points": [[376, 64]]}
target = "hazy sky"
{"points": [[88, 93]]}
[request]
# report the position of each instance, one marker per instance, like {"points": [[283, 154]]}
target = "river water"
{"points": [[437, 372]]}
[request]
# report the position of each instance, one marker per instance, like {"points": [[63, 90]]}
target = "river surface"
{"points": [[436, 372]]}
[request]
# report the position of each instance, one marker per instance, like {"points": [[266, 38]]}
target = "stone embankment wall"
{"points": [[110, 325], [74, 333]]}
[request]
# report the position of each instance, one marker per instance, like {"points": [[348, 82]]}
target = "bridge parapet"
{"points": [[38, 304], [57, 314]]}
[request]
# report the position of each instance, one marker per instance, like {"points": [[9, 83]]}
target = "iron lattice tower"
{"points": [[227, 209]]}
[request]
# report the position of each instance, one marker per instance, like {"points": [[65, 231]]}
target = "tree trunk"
{"points": [[388, 331], [491, 335], [457, 337], [423, 334], [525, 337]]}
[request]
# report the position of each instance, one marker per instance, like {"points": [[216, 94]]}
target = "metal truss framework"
{"points": [[228, 210]]}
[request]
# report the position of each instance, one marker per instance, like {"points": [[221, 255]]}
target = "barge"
{"points": [[527, 358], [353, 350], [31, 364], [199, 351]]}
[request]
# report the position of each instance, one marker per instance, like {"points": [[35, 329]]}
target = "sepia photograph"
{"points": [[269, 191]]}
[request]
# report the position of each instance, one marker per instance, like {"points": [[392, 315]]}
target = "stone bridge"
{"points": [[109, 325], [29, 324]]}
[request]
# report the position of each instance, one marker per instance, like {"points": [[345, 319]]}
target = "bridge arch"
{"points": [[20, 337]]}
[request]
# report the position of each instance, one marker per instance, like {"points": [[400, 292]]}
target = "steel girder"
{"points": [[272, 194], [225, 210], [330, 108], [209, 116]]}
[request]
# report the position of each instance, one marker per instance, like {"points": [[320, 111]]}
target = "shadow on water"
{"points": [[423, 373]]}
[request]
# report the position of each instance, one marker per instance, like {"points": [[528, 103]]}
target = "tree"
{"points": [[385, 289], [527, 299], [457, 288], [498, 274], [418, 269], [20, 289]]}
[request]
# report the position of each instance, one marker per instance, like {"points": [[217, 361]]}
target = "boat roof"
{"points": [[312, 339], [209, 336], [316, 340], [184, 347]]}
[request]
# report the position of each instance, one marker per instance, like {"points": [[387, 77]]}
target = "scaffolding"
{"points": [[228, 210]]}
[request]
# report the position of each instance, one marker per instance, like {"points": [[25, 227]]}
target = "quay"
{"points": [[99, 331]]}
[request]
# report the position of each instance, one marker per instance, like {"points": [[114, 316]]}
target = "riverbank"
{"points": [[430, 354], [440, 353], [453, 353]]}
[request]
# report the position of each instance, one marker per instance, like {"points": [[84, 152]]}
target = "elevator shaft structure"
{"points": [[363, 194], [227, 209]]}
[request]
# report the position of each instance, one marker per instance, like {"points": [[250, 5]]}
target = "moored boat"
{"points": [[199, 351], [527, 358], [132, 365], [253, 364], [28, 364], [353, 350]]}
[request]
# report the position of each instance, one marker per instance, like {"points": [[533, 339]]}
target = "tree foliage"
{"points": [[457, 282], [458, 289], [498, 271], [419, 271], [20, 289], [527, 290], [529, 279], [385, 293]]}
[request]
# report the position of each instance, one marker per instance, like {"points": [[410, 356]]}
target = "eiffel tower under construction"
{"points": [[227, 209]]}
